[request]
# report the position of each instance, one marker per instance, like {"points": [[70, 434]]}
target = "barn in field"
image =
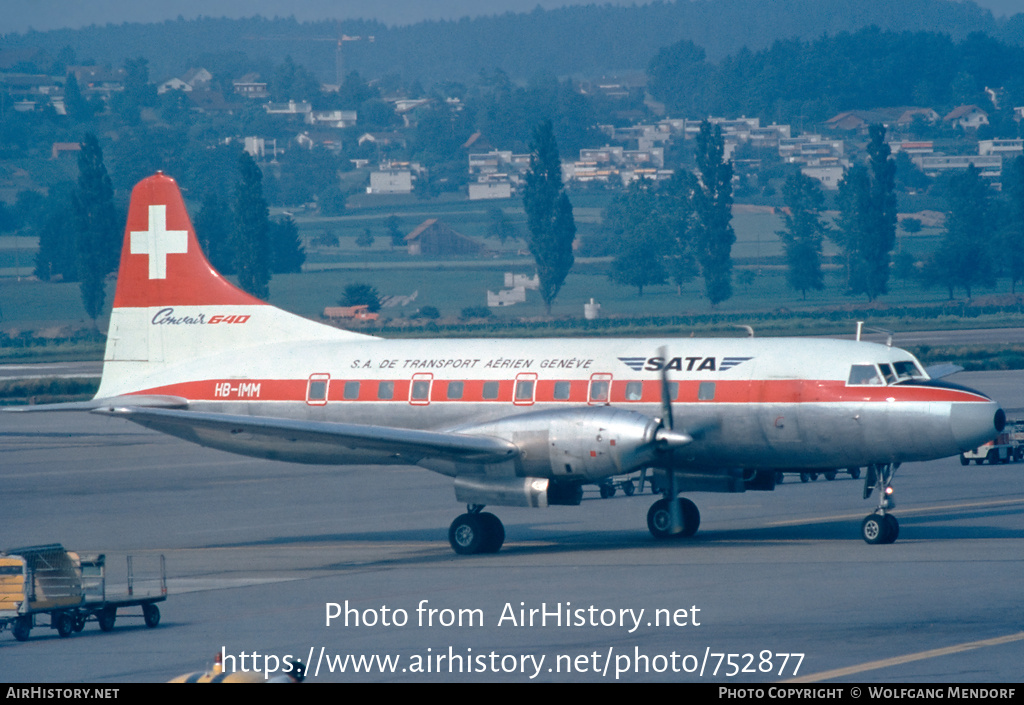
{"points": [[433, 237]]}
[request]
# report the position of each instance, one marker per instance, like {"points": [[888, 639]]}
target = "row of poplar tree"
{"points": [[676, 230]]}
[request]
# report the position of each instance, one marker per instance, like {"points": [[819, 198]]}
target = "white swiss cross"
{"points": [[158, 242]]}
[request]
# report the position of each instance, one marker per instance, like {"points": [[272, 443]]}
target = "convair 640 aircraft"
{"points": [[513, 422]]}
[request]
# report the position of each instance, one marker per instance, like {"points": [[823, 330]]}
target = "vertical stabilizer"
{"points": [[173, 307]]}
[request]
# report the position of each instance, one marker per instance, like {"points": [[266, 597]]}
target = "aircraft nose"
{"points": [[974, 423]]}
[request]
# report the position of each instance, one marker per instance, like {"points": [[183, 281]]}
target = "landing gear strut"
{"points": [[880, 527], [476, 531]]}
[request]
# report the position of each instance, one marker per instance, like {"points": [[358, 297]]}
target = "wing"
{"points": [[316, 441]]}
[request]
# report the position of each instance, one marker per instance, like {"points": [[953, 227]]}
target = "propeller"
{"points": [[668, 439]]}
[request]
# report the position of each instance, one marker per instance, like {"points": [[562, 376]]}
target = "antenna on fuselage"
{"points": [[887, 333]]}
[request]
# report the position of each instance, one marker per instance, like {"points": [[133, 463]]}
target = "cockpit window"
{"points": [[864, 374], [890, 376], [906, 369]]}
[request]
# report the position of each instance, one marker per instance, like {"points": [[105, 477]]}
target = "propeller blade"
{"points": [[666, 395]]}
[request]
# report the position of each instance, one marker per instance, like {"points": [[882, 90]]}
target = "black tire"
{"points": [[830, 475], [607, 491], [805, 477], [964, 460], [64, 623], [892, 528], [151, 615], [780, 477], [106, 618], [992, 457], [22, 628], [79, 622], [854, 473], [628, 488], [659, 519], [494, 533]]}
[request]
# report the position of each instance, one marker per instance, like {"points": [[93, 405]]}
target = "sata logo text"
{"points": [[656, 364]]}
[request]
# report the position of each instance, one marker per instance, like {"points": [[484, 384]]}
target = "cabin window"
{"points": [[490, 390], [386, 391], [599, 390], [420, 390], [455, 390], [562, 390], [316, 391], [673, 391], [864, 374], [634, 391], [524, 390], [706, 391], [351, 391]]}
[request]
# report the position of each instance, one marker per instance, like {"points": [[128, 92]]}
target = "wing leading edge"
{"points": [[317, 442]]}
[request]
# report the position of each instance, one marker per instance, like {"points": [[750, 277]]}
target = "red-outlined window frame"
{"points": [[600, 377], [427, 377], [318, 377], [530, 377]]}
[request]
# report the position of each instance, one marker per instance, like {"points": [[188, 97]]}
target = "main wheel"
{"points": [[22, 628], [659, 519], [106, 618], [64, 623], [476, 533], [151, 615]]}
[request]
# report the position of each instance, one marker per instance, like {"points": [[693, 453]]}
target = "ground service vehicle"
{"points": [[68, 589], [1007, 447]]}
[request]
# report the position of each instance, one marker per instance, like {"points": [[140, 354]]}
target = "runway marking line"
{"points": [[908, 658], [918, 510]]}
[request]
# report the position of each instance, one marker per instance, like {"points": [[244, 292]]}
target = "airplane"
{"points": [[512, 422]]}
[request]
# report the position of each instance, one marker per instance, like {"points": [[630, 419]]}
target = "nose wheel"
{"points": [[880, 527]]}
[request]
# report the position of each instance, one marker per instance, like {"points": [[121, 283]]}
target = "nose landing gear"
{"points": [[880, 527]]}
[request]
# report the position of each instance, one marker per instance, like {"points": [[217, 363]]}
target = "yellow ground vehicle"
{"points": [[68, 590]]}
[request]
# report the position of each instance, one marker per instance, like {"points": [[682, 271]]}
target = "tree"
{"points": [[252, 230], [394, 227], [361, 295], [286, 245], [366, 239], [641, 238], [968, 243], [804, 231], [713, 206], [676, 198], [1013, 233], [867, 218], [96, 226], [215, 229], [548, 214]]}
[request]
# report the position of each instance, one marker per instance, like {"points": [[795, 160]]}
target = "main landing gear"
{"points": [[880, 527], [672, 516], [476, 531]]}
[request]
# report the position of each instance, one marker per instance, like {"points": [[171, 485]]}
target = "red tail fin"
{"points": [[162, 263]]}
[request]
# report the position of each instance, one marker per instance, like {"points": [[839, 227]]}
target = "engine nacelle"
{"points": [[581, 444]]}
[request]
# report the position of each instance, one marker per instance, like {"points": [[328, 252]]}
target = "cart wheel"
{"points": [[628, 488], [64, 623], [79, 622], [151, 613], [106, 618], [22, 628]]}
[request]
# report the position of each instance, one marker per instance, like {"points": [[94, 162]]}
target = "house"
{"points": [[331, 118], [483, 190], [250, 86], [60, 148], [433, 237], [390, 181], [1011, 148], [991, 165], [969, 117], [358, 313]]}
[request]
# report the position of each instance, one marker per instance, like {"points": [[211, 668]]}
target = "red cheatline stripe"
{"points": [[579, 391]]}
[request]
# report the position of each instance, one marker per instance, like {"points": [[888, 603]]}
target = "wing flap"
{"points": [[317, 441]]}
